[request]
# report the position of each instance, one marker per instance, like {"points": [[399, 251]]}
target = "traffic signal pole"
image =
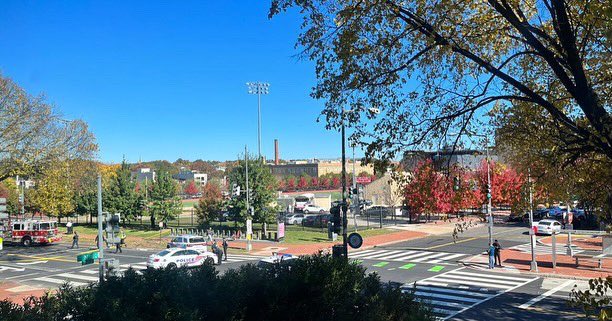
{"points": [[344, 207], [100, 237]]}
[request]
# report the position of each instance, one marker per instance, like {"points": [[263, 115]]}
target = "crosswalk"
{"points": [[561, 249], [453, 292], [83, 277], [408, 256]]}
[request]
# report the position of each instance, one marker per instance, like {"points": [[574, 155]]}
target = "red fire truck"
{"points": [[29, 231]]}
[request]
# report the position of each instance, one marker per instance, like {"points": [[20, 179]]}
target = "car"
{"points": [[188, 241], [311, 208], [276, 259], [295, 218], [310, 220], [377, 210], [179, 257], [548, 226]]}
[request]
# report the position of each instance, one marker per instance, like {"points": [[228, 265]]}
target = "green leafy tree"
{"points": [[165, 205], [262, 186], [9, 190], [210, 204], [431, 67], [595, 300], [120, 196], [53, 194], [34, 136]]}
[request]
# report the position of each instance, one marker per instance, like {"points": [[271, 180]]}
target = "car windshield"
{"points": [[197, 240], [177, 240], [163, 253]]}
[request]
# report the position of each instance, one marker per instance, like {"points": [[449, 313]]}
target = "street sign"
{"points": [[88, 257], [355, 240], [280, 230], [364, 179]]}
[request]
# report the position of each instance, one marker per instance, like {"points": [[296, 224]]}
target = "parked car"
{"points": [[194, 242], [316, 220], [294, 218], [178, 257], [547, 226], [276, 259], [311, 208], [378, 210]]}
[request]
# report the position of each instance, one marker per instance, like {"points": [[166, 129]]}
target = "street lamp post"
{"points": [[258, 88]]}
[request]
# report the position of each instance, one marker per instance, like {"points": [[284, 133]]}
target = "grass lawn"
{"points": [[86, 230], [190, 203]]}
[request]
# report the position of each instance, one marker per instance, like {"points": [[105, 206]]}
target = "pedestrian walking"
{"points": [[224, 249], [69, 227], [216, 250], [75, 240], [498, 248], [491, 253], [103, 240]]}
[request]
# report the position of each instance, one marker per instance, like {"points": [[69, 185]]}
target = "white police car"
{"points": [[178, 257], [276, 259]]}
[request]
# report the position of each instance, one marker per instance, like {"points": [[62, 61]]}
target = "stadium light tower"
{"points": [[258, 88]]}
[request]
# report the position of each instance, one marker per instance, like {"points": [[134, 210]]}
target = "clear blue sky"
{"points": [[163, 81]]}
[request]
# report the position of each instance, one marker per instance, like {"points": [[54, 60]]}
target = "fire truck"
{"points": [[29, 231]]}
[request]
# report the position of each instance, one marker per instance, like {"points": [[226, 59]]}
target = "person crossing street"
{"points": [[491, 253], [75, 240], [225, 249]]}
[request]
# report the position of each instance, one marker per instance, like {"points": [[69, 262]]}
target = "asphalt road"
{"points": [[428, 267]]}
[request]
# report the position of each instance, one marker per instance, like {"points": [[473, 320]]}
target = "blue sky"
{"points": [[167, 80]]}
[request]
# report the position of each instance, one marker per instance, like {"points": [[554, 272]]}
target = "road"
{"points": [[428, 267]]}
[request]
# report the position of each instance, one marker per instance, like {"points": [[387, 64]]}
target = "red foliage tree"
{"points": [[314, 182], [336, 182], [325, 183], [281, 184], [506, 183], [191, 188], [290, 183], [428, 191], [303, 183]]}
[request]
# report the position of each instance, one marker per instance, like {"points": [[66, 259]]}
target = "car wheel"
{"points": [[209, 261], [305, 211], [171, 266], [26, 241], [322, 211]]}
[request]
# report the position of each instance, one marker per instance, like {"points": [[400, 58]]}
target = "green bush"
{"points": [[312, 288]]}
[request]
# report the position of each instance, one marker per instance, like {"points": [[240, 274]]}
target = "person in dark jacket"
{"points": [[75, 240], [497, 253], [224, 249]]}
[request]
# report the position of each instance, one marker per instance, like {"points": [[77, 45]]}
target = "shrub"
{"points": [[311, 288]]}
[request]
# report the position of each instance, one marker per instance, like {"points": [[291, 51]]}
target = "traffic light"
{"points": [[456, 183], [235, 190], [112, 228], [335, 212], [488, 188], [251, 211]]}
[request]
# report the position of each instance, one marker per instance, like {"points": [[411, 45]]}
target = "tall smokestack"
{"points": [[276, 155]]}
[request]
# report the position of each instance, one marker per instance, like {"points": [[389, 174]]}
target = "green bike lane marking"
{"points": [[381, 264], [436, 268]]}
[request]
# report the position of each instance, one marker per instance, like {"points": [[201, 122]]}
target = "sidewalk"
{"points": [[514, 261], [16, 292]]}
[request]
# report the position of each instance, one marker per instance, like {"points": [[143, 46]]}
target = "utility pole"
{"points": [[344, 207], [534, 263], [356, 207], [489, 207], [248, 206], [100, 237]]}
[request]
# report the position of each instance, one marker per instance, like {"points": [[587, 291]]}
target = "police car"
{"points": [[276, 259], [178, 257]]}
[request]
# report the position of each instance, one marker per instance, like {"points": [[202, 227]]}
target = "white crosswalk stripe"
{"points": [[453, 292], [407, 256], [561, 249]]}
